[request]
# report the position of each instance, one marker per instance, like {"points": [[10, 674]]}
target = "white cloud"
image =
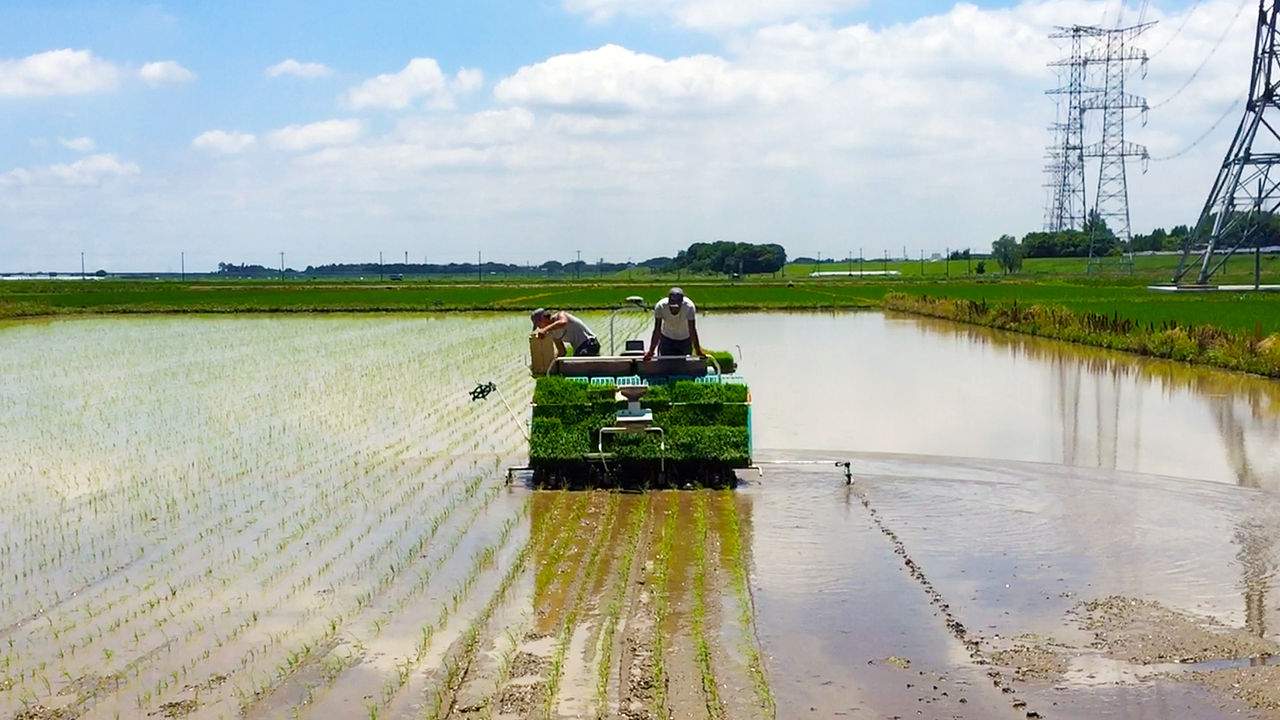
{"points": [[57, 72], [804, 132], [498, 127], [299, 69], [17, 176], [80, 144], [88, 171], [223, 142], [570, 125], [420, 79], [467, 80], [710, 14], [166, 72], [300, 138], [92, 170], [613, 78]]}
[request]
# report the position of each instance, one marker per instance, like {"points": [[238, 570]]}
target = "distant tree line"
{"points": [[1009, 252], [717, 257]]}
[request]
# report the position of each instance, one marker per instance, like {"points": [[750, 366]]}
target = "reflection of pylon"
{"points": [[1245, 193]]}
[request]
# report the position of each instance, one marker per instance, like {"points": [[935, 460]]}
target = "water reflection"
{"points": [[1257, 559], [874, 382]]}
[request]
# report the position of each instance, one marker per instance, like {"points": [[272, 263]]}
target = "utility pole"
{"points": [[479, 267], [81, 264], [948, 262], [922, 263], [886, 261], [282, 266], [1246, 192], [183, 261], [577, 267], [379, 266]]}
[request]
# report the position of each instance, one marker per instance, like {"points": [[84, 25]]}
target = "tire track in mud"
{"points": [[638, 689], [970, 641], [608, 653]]}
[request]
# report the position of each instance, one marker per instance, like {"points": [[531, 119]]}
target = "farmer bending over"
{"points": [[565, 328], [674, 329]]}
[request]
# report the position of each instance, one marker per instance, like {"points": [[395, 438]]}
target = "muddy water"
{"points": [[899, 384], [1000, 483], [1033, 530]]}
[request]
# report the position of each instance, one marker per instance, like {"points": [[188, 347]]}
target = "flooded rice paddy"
{"points": [[308, 517]]}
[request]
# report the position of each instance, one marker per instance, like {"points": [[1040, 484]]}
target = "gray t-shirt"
{"points": [[574, 333]]}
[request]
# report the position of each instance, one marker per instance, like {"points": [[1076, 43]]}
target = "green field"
{"points": [[1042, 281], [1146, 270]]}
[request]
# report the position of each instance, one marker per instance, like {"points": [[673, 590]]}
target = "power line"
{"points": [[1185, 19], [1226, 31], [1106, 10], [1202, 137]]}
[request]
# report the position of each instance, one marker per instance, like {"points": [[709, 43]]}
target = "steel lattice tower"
{"points": [[1066, 210], [1111, 202], [1054, 178], [1245, 192]]}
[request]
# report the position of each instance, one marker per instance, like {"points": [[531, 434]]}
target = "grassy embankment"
{"points": [[1253, 352]]}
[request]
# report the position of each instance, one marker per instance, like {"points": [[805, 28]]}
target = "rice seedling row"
{"points": [[390, 634], [237, 630], [714, 705], [607, 657], [147, 609], [660, 577], [507, 639], [307, 517], [451, 665], [734, 558], [170, 504], [586, 577]]}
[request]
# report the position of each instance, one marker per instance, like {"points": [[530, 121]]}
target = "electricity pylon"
{"points": [[1066, 209], [1111, 201], [1245, 193]]}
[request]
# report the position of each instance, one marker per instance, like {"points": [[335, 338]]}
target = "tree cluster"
{"points": [[731, 257]]}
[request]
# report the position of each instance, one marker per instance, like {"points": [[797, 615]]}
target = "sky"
{"points": [[148, 136]]}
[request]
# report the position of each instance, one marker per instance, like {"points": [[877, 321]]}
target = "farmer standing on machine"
{"points": [[564, 329], [674, 329]]}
